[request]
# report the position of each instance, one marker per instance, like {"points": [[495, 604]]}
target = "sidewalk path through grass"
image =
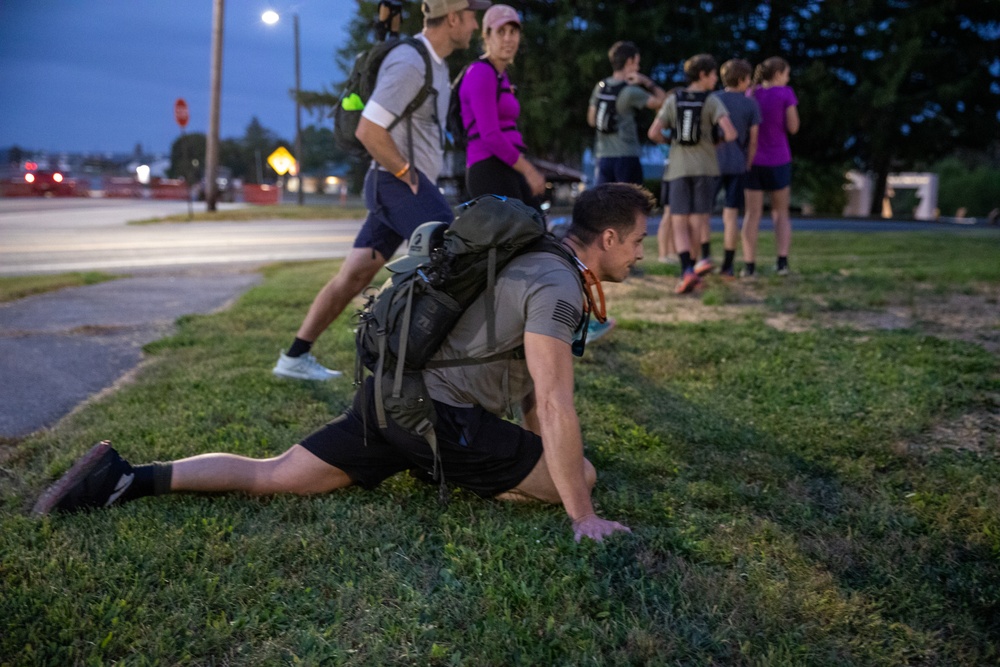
{"points": [[58, 349]]}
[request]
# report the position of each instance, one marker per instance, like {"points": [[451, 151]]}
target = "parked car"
{"points": [[50, 184]]}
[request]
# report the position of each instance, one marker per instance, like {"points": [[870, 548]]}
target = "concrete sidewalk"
{"points": [[60, 348]]}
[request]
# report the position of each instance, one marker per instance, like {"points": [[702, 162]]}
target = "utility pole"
{"points": [[212, 144]]}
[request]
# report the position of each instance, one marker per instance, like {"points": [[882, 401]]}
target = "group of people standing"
{"points": [[734, 140]]}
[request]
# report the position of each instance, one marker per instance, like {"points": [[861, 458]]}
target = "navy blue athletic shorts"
{"points": [[394, 211], [479, 451], [625, 169], [732, 185], [770, 179]]}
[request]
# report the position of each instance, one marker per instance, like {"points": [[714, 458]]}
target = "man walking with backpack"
{"points": [[541, 302], [400, 191]]}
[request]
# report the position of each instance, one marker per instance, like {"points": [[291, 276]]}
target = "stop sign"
{"points": [[181, 113]]}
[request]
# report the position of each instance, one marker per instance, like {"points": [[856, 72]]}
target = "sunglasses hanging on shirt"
{"points": [[594, 303]]}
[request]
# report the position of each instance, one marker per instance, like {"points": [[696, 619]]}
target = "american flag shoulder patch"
{"points": [[566, 313]]}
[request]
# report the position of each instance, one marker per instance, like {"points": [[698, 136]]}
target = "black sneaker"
{"points": [[99, 478]]}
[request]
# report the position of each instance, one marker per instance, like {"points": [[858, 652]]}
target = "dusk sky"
{"points": [[103, 75]]}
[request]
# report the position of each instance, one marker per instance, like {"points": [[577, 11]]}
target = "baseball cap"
{"points": [[423, 239], [500, 15], [435, 8]]}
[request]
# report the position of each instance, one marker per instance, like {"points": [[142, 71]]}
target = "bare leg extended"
{"points": [[780, 201], [730, 223], [296, 471], [682, 234], [665, 236], [356, 273], [751, 224], [538, 485]]}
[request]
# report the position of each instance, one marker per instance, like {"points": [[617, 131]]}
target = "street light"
{"points": [[270, 17]]}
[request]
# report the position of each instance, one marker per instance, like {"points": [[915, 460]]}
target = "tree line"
{"points": [[883, 85]]}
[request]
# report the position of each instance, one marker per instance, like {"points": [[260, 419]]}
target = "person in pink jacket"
{"points": [[771, 171], [495, 159]]}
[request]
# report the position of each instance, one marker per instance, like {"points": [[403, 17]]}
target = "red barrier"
{"points": [[122, 186], [261, 194], [170, 189]]}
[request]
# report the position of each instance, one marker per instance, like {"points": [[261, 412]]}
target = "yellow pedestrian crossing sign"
{"points": [[281, 161]]}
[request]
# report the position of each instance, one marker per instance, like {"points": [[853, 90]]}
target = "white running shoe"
{"points": [[303, 368]]}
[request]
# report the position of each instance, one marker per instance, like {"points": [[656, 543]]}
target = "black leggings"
{"points": [[492, 176]]}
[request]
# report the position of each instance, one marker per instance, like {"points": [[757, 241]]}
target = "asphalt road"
{"points": [[80, 234], [61, 348]]}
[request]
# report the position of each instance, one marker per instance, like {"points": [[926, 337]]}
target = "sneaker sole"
{"points": [[687, 288], [292, 376], [83, 466], [703, 270]]}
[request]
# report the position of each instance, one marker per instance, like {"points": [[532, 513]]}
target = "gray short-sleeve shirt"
{"points": [[400, 78], [537, 292], [625, 141]]}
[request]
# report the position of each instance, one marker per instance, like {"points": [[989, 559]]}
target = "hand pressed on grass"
{"points": [[596, 528]]}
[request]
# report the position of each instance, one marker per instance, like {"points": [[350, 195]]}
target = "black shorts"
{"points": [[770, 179], [479, 451], [495, 177], [664, 193]]}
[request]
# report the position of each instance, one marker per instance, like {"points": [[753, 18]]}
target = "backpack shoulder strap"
{"points": [[499, 77], [428, 87]]}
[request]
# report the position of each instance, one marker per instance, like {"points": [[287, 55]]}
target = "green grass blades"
{"points": [[19, 287], [808, 484], [278, 212]]}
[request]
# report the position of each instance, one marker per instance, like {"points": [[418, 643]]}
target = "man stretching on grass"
{"points": [[538, 304]]}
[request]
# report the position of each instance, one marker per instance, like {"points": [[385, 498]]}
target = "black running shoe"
{"points": [[99, 478]]}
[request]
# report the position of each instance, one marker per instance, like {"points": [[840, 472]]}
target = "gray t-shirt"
{"points": [[400, 78], [744, 113], [537, 292], [625, 141]]}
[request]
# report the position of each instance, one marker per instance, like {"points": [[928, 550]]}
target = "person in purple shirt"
{"points": [[495, 161], [771, 171]]}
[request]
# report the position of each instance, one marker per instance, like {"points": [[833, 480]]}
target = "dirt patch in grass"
{"points": [[977, 432], [973, 316], [651, 298]]}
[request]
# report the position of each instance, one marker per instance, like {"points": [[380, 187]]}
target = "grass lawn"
{"points": [[810, 467], [18, 287], [278, 212]]}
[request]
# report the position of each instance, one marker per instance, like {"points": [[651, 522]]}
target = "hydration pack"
{"points": [[689, 107], [606, 120]]}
